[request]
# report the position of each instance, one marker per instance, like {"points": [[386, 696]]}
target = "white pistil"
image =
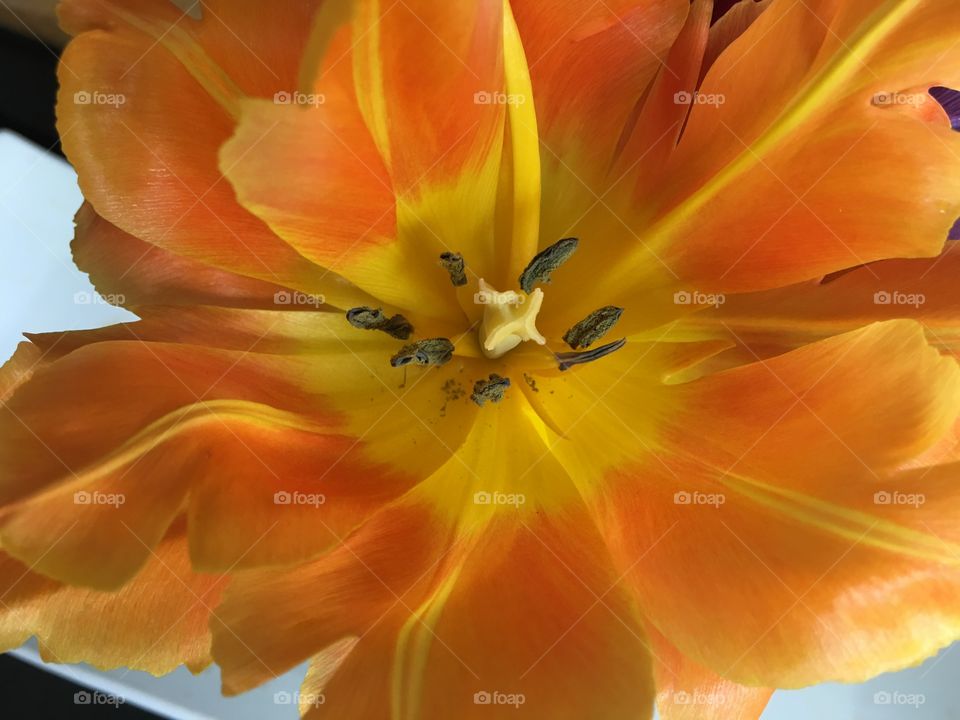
{"points": [[508, 319]]}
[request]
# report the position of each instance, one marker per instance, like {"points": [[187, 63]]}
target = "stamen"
{"points": [[367, 318], [436, 351], [453, 263], [569, 359], [491, 389], [593, 327], [546, 261]]}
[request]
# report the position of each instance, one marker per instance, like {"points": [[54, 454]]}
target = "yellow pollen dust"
{"points": [[509, 319]]}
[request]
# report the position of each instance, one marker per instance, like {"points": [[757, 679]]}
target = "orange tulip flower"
{"points": [[500, 354]]}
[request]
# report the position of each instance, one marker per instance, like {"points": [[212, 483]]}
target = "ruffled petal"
{"points": [[829, 143], [275, 453], [155, 623], [378, 183], [148, 96], [780, 541], [134, 272], [689, 691], [524, 614], [777, 320]]}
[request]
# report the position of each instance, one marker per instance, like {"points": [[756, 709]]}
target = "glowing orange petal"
{"points": [[144, 161], [526, 610], [775, 320], [731, 25], [838, 158], [155, 623], [780, 492], [205, 418], [133, 272], [689, 691], [381, 178]]}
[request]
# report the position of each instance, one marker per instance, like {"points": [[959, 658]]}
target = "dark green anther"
{"points": [[453, 263], [367, 318], [546, 261], [436, 351], [568, 360], [491, 389], [593, 327]]}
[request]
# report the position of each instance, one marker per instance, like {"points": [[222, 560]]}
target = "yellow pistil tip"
{"points": [[509, 319]]}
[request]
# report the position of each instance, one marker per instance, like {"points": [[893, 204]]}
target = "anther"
{"points": [[569, 359], [491, 389], [546, 261], [367, 318], [453, 263], [593, 327], [436, 351]]}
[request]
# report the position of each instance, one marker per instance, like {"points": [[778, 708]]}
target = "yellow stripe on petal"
{"points": [[332, 15], [524, 191], [191, 55], [413, 649], [820, 91], [368, 75]]}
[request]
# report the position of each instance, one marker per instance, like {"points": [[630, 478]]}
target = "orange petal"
{"points": [[155, 623], [202, 420], [261, 629], [528, 614], [776, 320], [689, 691], [413, 178], [773, 556], [850, 90], [135, 272], [590, 65], [148, 96], [731, 25], [666, 105]]}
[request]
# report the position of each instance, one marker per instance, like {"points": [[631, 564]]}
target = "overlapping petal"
{"points": [[147, 97], [448, 610], [821, 152], [156, 623], [221, 428], [786, 487]]}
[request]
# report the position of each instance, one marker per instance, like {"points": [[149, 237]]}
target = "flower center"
{"points": [[509, 319]]}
